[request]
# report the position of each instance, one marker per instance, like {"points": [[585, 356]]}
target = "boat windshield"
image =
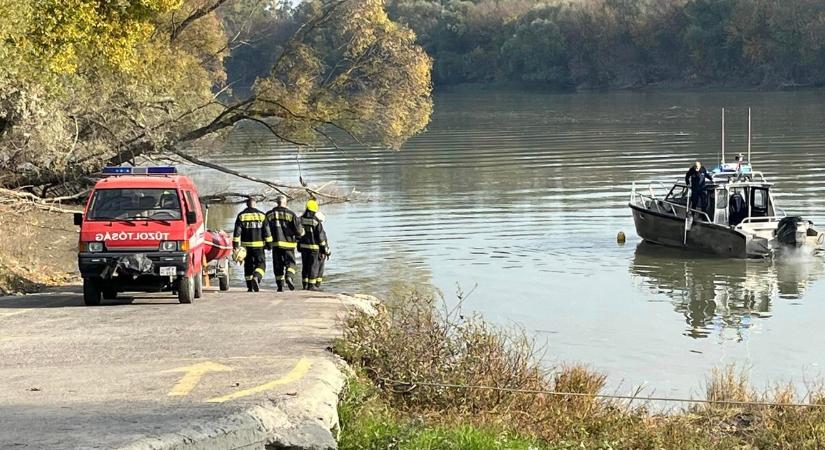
{"points": [[679, 195]]}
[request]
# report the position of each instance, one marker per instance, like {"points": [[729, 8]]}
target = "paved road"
{"points": [[104, 377]]}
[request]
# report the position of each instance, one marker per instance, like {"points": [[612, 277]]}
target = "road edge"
{"points": [[270, 425]]}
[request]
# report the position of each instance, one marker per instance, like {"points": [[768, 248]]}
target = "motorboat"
{"points": [[739, 217]]}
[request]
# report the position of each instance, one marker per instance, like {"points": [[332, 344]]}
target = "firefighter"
{"points": [[312, 245], [322, 257], [286, 229], [252, 232]]}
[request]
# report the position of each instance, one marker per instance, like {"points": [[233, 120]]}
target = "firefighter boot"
{"points": [[280, 285], [290, 284], [256, 282], [249, 286]]}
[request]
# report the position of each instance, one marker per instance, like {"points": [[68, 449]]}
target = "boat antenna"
{"points": [[749, 135], [723, 137]]}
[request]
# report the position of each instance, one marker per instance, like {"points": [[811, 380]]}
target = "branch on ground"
{"points": [[27, 199]]}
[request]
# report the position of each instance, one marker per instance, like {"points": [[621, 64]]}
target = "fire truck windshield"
{"points": [[134, 204]]}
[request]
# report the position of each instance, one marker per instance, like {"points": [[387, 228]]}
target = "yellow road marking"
{"points": [[297, 372], [192, 376]]}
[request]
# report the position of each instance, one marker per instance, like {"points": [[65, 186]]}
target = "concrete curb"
{"points": [[305, 421]]}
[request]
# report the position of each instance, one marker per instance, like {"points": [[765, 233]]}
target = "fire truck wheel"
{"points": [[110, 294], [186, 290], [91, 292], [223, 275], [198, 286]]}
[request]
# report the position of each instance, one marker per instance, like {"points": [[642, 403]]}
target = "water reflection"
{"points": [[714, 294]]}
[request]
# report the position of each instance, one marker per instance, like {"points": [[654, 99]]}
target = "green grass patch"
{"points": [[367, 422]]}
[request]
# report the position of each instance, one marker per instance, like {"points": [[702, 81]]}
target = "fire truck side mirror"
{"points": [[191, 217], [78, 219]]}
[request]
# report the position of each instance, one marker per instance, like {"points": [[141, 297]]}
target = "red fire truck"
{"points": [[143, 229]]}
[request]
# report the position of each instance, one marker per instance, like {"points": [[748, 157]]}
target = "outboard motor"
{"points": [[786, 231]]}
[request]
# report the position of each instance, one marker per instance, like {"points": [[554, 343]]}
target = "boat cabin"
{"points": [[729, 200]]}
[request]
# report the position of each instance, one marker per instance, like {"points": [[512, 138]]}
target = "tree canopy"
{"points": [[565, 44], [87, 83]]}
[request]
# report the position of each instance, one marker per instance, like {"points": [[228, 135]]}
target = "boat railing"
{"points": [[761, 219], [741, 178], [701, 213], [637, 199]]}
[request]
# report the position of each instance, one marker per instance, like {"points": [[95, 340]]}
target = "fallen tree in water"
{"points": [[291, 192]]}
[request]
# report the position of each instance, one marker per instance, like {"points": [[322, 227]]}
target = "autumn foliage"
{"points": [[86, 83]]}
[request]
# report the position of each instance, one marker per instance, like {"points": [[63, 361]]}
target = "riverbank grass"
{"points": [[433, 378], [38, 250], [369, 422]]}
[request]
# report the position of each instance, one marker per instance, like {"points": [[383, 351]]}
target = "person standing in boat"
{"points": [[696, 178]]}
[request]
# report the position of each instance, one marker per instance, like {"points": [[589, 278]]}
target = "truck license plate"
{"points": [[168, 271]]}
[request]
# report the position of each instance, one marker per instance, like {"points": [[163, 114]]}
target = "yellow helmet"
{"points": [[239, 254], [312, 205]]}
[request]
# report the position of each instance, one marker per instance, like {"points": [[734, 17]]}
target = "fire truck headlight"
{"points": [[94, 246], [168, 246]]}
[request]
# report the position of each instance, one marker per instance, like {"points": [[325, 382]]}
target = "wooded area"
{"points": [[595, 44], [621, 43], [89, 83]]}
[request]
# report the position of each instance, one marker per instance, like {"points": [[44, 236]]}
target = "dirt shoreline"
{"points": [[39, 250]]}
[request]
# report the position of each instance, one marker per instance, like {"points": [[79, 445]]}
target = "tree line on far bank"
{"points": [[621, 43], [585, 44]]}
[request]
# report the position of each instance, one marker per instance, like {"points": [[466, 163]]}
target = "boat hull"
{"points": [[704, 237]]}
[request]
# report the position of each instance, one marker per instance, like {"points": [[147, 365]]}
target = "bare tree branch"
{"points": [[197, 14], [200, 162]]}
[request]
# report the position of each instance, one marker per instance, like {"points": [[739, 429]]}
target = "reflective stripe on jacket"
{"points": [[251, 229], [285, 227], [314, 238]]}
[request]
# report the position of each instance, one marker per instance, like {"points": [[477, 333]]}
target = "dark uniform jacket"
{"points": [[696, 178], [314, 238], [251, 229], [285, 227]]}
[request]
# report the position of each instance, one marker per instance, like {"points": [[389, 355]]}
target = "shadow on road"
{"points": [[72, 296]]}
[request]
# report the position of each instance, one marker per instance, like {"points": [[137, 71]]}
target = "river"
{"points": [[518, 197]]}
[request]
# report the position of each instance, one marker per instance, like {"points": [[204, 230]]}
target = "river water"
{"points": [[519, 196]]}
